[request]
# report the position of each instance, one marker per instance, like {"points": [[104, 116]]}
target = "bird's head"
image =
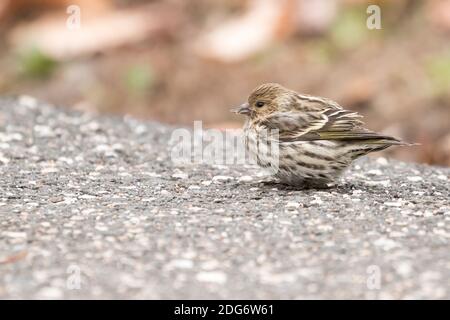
{"points": [[264, 100]]}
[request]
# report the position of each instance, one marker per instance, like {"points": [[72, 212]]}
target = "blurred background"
{"points": [[177, 61]]}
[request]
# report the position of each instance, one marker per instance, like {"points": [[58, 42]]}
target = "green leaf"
{"points": [[139, 78], [34, 63], [438, 70]]}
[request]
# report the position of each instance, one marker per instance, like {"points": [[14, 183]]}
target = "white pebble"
{"points": [[49, 170], [325, 227], [404, 268], [212, 276], [87, 197], [385, 243], [44, 131], [101, 228], [91, 126], [375, 172], [103, 148], [428, 214], [222, 178], [10, 137], [221, 167], [50, 293], [128, 187], [195, 209], [65, 160], [441, 232], [182, 264], [384, 183], [382, 161], [180, 175], [3, 159], [28, 102], [152, 174], [292, 204], [140, 129], [13, 234], [415, 178], [394, 204], [245, 179]]}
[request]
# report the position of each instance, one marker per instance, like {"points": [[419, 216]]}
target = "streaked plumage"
{"points": [[316, 138]]}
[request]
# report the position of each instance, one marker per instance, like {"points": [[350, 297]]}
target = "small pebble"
{"points": [[28, 101], [386, 243], [394, 204], [382, 161], [3, 159], [182, 264], [316, 201], [375, 172], [14, 234], [180, 175], [50, 293], [292, 204], [245, 179], [212, 277], [222, 178]]}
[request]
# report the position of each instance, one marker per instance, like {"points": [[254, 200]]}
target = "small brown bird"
{"points": [[315, 138]]}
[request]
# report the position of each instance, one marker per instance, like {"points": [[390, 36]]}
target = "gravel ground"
{"points": [[93, 207]]}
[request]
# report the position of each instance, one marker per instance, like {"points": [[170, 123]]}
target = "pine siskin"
{"points": [[316, 139]]}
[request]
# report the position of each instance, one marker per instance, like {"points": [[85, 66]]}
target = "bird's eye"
{"points": [[259, 104]]}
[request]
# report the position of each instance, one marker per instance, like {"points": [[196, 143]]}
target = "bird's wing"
{"points": [[332, 123]]}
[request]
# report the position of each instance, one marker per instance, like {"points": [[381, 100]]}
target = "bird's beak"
{"points": [[242, 109]]}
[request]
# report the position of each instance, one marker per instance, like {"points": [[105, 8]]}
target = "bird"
{"points": [[304, 140]]}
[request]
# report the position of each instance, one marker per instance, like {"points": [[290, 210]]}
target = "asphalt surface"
{"points": [[93, 207]]}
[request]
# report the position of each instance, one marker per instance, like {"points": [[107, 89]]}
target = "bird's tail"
{"points": [[390, 141]]}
